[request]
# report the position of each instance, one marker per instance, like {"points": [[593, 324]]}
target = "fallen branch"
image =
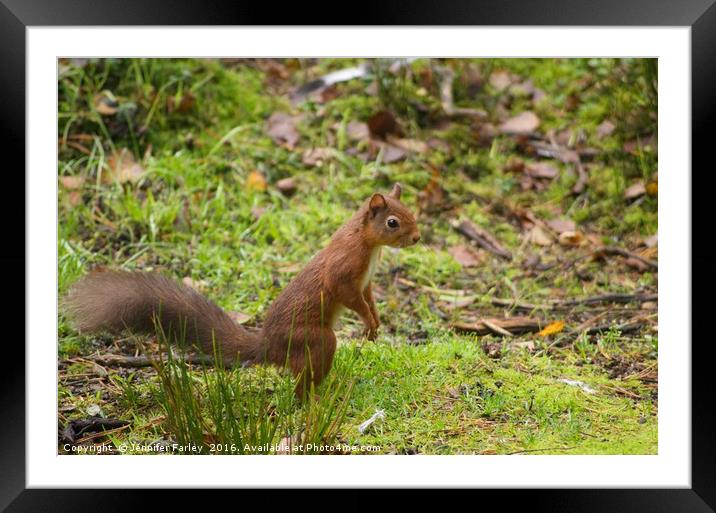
{"points": [[144, 361], [511, 327], [613, 250], [482, 238], [607, 298], [591, 300]]}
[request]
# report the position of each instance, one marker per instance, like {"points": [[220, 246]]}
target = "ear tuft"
{"points": [[377, 203], [395, 191]]}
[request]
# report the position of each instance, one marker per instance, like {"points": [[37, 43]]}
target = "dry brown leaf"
{"points": [[282, 129], [239, 317], [317, 156], [540, 236], [74, 198], [562, 225], [357, 131], [411, 145], [541, 170], [72, 183], [198, 285], [522, 124], [635, 190], [122, 168], [287, 186], [571, 238], [500, 79], [185, 103], [605, 129], [383, 123], [466, 256], [390, 153]]}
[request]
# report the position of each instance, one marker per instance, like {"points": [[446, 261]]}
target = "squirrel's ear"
{"points": [[377, 203], [395, 191]]}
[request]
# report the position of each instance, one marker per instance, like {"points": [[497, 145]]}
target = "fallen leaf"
{"points": [[465, 255], [571, 238], [256, 181], [635, 190], [198, 285], [411, 145], [239, 317], [74, 198], [282, 129], [652, 189], [500, 80], [605, 129], [552, 328], [72, 183], [647, 143], [522, 124], [541, 170], [562, 225], [357, 131], [317, 156], [184, 104], [287, 186], [391, 153], [383, 123], [540, 236], [122, 168], [433, 198]]}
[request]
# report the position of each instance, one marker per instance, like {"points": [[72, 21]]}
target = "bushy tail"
{"points": [[115, 301]]}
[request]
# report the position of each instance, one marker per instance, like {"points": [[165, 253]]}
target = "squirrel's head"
{"points": [[388, 222]]}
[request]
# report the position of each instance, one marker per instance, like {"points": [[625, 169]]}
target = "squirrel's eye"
{"points": [[392, 222]]}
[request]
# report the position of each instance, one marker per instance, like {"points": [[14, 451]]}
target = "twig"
{"points": [[144, 361], [482, 238], [540, 450], [502, 326], [608, 298], [613, 250], [497, 329]]}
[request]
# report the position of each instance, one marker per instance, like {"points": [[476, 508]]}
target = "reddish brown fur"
{"points": [[298, 330]]}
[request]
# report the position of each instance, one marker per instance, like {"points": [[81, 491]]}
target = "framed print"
{"points": [[426, 241]]}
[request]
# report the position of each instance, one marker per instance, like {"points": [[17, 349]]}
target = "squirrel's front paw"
{"points": [[371, 333]]}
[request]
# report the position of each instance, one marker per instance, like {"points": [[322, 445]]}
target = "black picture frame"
{"points": [[17, 15]]}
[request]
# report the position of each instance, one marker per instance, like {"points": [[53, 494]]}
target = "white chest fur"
{"points": [[372, 264]]}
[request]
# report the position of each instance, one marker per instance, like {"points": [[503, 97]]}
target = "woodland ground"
{"points": [[211, 171]]}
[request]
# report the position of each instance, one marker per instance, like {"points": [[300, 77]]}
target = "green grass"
{"points": [[192, 215]]}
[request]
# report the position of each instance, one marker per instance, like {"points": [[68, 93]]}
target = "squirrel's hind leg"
{"points": [[314, 363]]}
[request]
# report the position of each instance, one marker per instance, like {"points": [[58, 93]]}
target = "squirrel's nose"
{"points": [[416, 237]]}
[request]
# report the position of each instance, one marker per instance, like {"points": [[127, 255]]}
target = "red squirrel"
{"points": [[298, 329]]}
